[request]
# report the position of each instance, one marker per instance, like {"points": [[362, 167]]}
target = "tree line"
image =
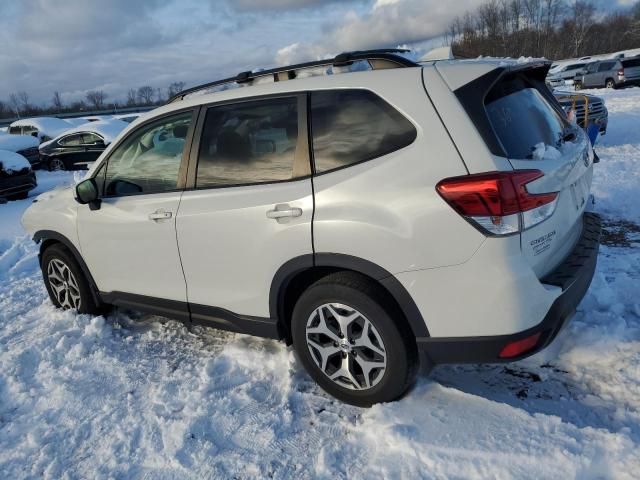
{"points": [[554, 29], [19, 104]]}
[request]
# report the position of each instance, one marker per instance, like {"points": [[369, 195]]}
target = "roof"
{"points": [[49, 126], [15, 143], [12, 162]]}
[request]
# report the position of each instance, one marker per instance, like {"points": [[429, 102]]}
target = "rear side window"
{"points": [[352, 126], [251, 142], [522, 118], [635, 62], [606, 66], [71, 140]]}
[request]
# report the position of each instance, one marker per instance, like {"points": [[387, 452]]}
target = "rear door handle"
{"points": [[160, 214], [282, 213]]}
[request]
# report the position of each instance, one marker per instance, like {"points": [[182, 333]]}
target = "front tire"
{"points": [[577, 85], [352, 340], [66, 284]]}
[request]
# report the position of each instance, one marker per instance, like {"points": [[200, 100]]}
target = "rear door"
{"points": [[531, 128], [249, 207]]}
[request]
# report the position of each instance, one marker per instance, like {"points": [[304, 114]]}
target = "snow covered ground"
{"points": [[140, 396]]}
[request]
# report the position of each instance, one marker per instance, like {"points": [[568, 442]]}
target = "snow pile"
{"points": [[548, 152], [134, 395], [12, 162], [15, 143]]}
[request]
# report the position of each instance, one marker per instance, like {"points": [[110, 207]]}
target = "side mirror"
{"points": [[87, 193]]}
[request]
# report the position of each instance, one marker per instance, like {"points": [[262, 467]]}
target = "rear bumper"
{"points": [[573, 276]]}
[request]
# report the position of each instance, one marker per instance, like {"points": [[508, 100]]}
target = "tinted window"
{"points": [[606, 66], [522, 118], [635, 62], [149, 159], [351, 126], [15, 130], [91, 138], [251, 142], [71, 140], [592, 67]]}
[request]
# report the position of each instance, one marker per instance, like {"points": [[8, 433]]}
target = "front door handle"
{"points": [[160, 214], [282, 213]]}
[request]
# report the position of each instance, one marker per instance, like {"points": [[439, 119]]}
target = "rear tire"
{"points": [[56, 165], [66, 284], [352, 340], [610, 83]]}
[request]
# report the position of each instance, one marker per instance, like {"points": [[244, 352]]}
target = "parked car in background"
{"points": [[16, 176], [80, 146], [24, 145], [586, 107], [301, 208], [564, 73], [43, 128], [610, 74]]}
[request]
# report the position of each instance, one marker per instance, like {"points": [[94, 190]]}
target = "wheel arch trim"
{"points": [[42, 236], [289, 270]]}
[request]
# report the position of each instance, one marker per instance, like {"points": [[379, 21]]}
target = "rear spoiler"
{"points": [[472, 96]]}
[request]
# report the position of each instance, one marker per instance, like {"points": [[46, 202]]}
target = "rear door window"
{"points": [[251, 142], [352, 126], [522, 117]]}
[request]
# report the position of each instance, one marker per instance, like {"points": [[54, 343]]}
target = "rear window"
{"points": [[522, 118], [634, 62]]}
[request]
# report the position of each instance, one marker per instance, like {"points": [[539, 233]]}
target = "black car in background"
{"points": [[77, 148], [73, 151], [16, 176]]}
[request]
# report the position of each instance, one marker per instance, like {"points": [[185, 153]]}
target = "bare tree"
{"points": [[57, 101], [175, 88], [145, 95], [23, 98], [96, 98], [159, 98], [15, 104], [131, 97], [582, 19]]}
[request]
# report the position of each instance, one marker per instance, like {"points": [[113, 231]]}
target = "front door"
{"points": [[129, 243], [249, 209]]}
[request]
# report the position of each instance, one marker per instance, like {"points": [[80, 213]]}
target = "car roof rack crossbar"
{"points": [[378, 59]]}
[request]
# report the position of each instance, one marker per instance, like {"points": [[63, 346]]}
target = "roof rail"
{"points": [[378, 59]]}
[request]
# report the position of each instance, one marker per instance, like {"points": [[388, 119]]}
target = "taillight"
{"points": [[621, 72], [498, 202], [519, 347]]}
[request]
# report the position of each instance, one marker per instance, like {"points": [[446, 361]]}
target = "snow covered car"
{"points": [[360, 216], [43, 128], [16, 176], [25, 145], [80, 146]]}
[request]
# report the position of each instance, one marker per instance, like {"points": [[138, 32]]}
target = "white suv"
{"points": [[362, 217]]}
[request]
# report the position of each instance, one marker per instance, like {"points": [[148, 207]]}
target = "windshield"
{"points": [[522, 118]]}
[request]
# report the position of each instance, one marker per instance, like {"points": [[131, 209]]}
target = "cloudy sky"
{"points": [[77, 45]]}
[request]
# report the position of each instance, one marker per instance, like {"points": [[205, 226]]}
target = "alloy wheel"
{"points": [[346, 346], [63, 284], [56, 165]]}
